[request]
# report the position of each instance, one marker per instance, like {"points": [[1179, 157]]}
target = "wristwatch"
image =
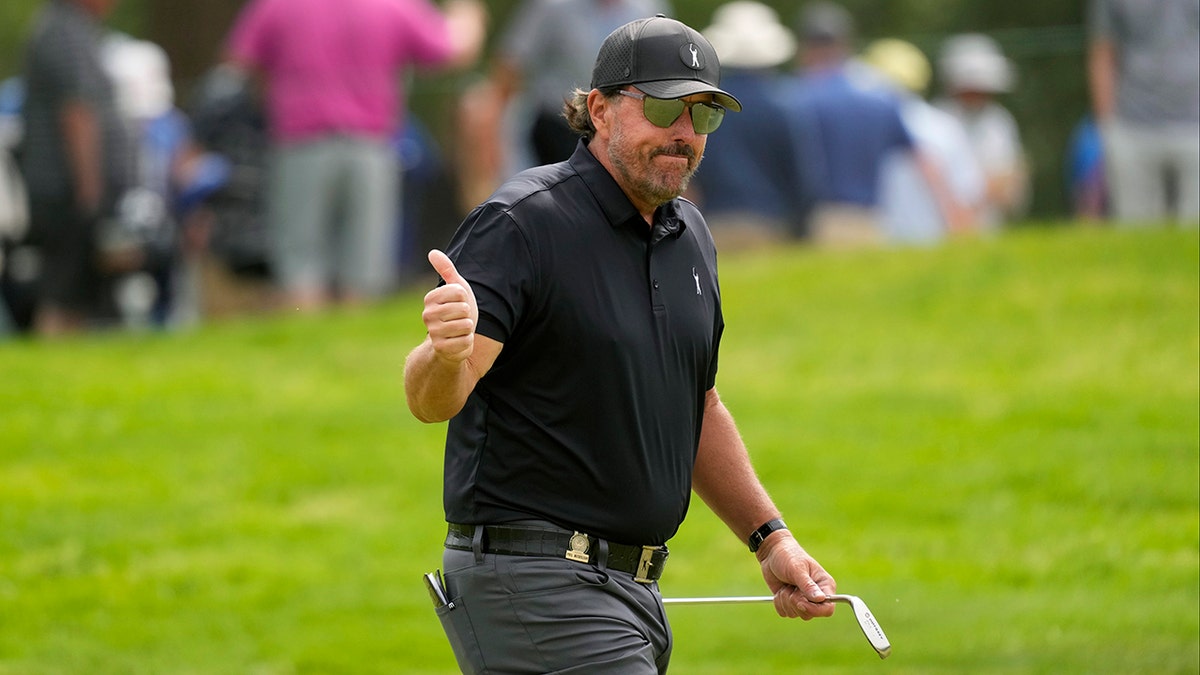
{"points": [[757, 537]]}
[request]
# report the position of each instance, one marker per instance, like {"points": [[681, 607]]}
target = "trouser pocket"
{"points": [[457, 625]]}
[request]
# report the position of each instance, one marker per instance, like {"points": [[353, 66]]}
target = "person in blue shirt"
{"points": [[749, 185], [846, 126], [1084, 169]]}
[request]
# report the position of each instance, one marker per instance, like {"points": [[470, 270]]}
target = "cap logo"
{"points": [[690, 55]]}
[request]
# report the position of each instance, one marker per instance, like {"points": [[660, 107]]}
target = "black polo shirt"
{"points": [[590, 417]]}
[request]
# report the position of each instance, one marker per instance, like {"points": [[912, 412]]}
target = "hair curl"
{"points": [[575, 110]]}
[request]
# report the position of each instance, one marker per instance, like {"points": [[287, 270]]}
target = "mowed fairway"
{"points": [[995, 443]]}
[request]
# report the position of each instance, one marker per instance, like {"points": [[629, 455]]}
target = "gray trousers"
{"points": [[332, 209], [517, 614], [1139, 162]]}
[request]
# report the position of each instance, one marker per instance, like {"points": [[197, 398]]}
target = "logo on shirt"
{"points": [[690, 55], [697, 278]]}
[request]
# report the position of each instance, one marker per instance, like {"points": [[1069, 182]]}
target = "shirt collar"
{"points": [[615, 204]]}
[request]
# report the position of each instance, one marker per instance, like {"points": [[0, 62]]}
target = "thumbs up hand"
{"points": [[450, 313]]}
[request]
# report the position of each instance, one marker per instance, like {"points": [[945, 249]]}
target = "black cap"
{"points": [[664, 58]]}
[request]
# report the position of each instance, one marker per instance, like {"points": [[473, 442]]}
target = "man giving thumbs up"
{"points": [[573, 349]]}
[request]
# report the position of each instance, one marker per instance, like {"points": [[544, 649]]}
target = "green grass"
{"points": [[995, 443]]}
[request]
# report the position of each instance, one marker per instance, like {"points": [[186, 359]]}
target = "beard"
{"points": [[638, 174]]}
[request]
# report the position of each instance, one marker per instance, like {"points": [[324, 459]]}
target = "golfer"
{"points": [[573, 349]]}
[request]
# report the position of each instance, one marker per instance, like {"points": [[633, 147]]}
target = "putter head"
{"points": [[866, 621]]}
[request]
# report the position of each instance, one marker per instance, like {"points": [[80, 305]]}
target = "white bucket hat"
{"points": [[141, 75], [974, 62], [748, 34]]}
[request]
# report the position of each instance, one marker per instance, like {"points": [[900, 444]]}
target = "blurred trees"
{"points": [[1044, 38]]}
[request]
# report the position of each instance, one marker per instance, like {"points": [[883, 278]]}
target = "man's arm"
{"points": [[725, 480], [442, 371], [959, 218], [81, 135], [1102, 78], [466, 23]]}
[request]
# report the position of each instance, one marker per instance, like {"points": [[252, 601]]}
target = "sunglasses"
{"points": [[662, 112]]}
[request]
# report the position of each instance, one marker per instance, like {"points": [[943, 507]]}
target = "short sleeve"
{"points": [[423, 35], [492, 253], [1099, 20], [250, 39]]}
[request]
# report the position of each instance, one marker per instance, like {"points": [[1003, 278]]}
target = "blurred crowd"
{"points": [[296, 176]]}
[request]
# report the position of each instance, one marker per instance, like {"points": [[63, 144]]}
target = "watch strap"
{"points": [[757, 537]]}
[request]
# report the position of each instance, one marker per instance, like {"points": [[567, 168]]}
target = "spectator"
{"points": [[7, 327], [14, 206], [331, 74], [545, 52], [159, 230], [908, 206], [1144, 72], [75, 161], [14, 201], [749, 186], [429, 199], [846, 125], [974, 72], [228, 120], [1086, 184]]}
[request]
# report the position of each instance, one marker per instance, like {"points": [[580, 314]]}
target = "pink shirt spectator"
{"points": [[331, 65]]}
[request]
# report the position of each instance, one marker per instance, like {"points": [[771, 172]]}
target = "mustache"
{"points": [[676, 150]]}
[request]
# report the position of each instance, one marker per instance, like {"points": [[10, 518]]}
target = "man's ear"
{"points": [[599, 108]]}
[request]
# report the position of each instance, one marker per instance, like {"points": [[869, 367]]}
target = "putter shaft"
{"points": [[866, 621], [732, 600]]}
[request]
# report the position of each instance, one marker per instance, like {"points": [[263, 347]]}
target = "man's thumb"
{"points": [[445, 267]]}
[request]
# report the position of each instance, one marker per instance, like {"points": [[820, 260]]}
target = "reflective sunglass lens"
{"points": [[662, 112], [706, 118]]}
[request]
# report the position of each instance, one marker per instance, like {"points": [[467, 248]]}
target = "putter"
{"points": [[866, 620]]}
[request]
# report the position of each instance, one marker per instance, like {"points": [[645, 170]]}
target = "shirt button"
{"points": [[655, 284]]}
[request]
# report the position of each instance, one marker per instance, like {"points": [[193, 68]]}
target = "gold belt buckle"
{"points": [[645, 562], [577, 548]]}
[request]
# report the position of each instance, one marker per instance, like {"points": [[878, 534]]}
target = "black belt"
{"points": [[645, 563]]}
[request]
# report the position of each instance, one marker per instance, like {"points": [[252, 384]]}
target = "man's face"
{"points": [[652, 164], [973, 100]]}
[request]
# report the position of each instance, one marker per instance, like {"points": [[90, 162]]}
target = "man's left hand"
{"points": [[799, 583]]}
